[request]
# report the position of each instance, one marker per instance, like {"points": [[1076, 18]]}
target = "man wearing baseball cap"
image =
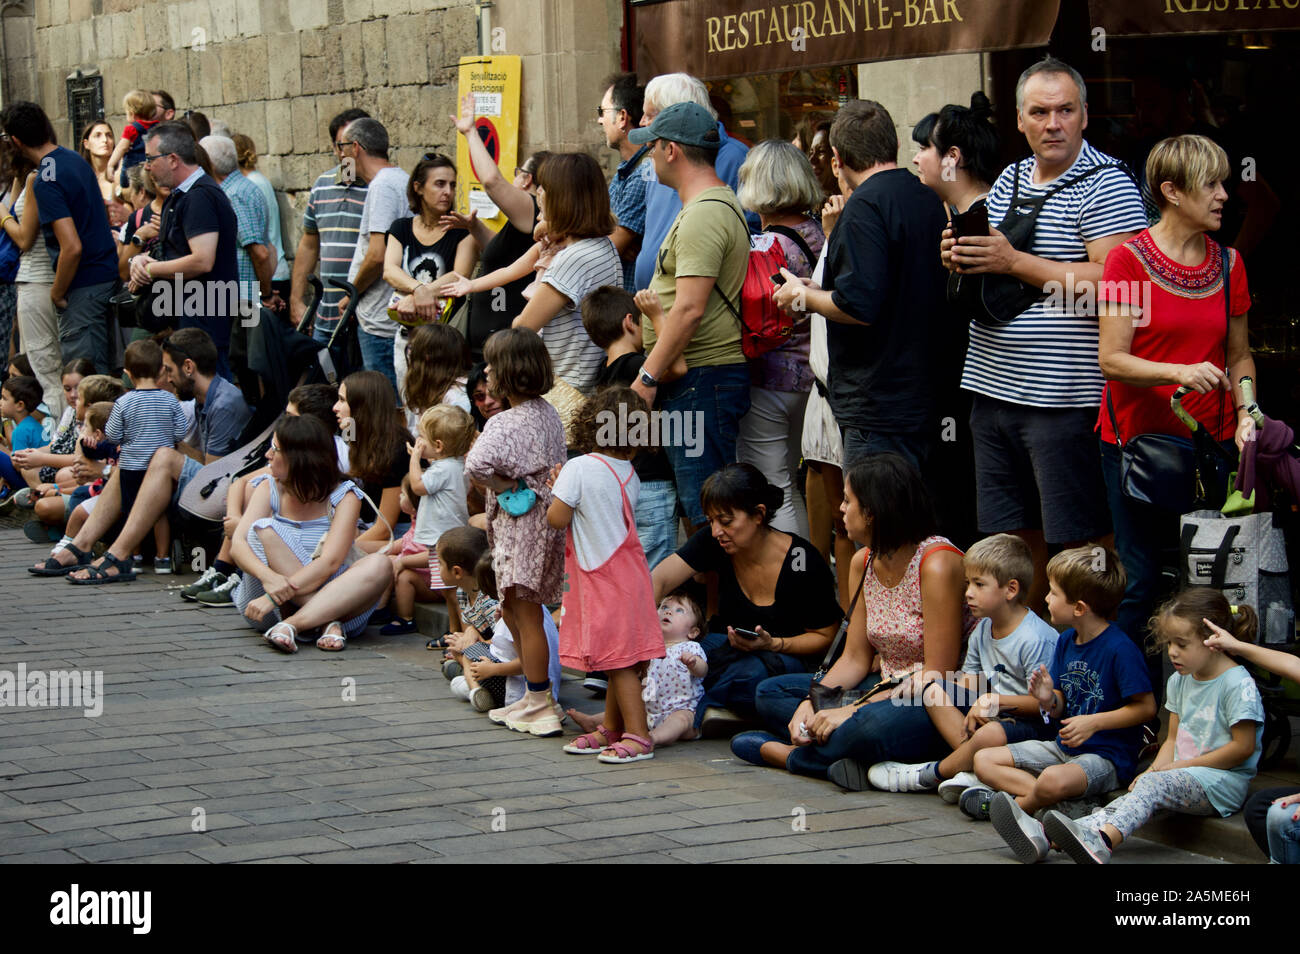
{"points": [[698, 275]]}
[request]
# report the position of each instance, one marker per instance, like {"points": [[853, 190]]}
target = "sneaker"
{"points": [[6, 498], [596, 684], [220, 595], [398, 627], [849, 774], [451, 669], [460, 688], [499, 716], [950, 789], [974, 802], [536, 716], [38, 532], [137, 560], [24, 499], [162, 566], [900, 777], [748, 746], [480, 699], [211, 578], [1021, 833], [1082, 844]]}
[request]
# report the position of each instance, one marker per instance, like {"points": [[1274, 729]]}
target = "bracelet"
{"points": [[6, 219], [274, 601]]}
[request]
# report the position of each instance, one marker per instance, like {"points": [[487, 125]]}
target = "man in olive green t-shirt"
{"points": [[698, 277]]}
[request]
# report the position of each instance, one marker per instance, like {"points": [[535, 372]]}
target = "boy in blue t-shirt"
{"points": [[1098, 687], [19, 398]]}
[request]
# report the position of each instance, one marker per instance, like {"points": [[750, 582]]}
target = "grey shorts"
{"points": [[1034, 755]]}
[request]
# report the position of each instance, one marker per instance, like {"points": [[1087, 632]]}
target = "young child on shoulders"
{"points": [[139, 106], [21, 431], [1097, 687], [446, 434], [144, 419], [989, 705], [608, 623], [673, 686], [1211, 750]]}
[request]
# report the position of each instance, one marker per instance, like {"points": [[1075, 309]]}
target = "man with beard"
{"points": [[190, 362]]}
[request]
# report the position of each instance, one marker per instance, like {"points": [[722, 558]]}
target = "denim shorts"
{"points": [[1022, 730], [702, 418], [1038, 468], [1035, 755], [189, 467], [656, 520]]}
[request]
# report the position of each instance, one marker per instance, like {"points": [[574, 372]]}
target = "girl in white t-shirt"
{"points": [[608, 622], [446, 434]]}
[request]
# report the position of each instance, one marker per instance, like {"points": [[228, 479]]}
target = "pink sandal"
{"points": [[593, 743], [622, 754]]}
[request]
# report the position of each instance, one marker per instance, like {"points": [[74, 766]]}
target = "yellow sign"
{"points": [[493, 81]]}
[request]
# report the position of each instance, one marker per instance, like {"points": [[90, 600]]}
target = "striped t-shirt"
{"points": [[577, 271], [334, 213], [1048, 356], [142, 422]]}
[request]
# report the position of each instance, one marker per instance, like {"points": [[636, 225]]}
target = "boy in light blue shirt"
{"points": [[988, 703], [20, 397]]}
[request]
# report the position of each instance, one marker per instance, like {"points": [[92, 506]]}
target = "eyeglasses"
{"points": [[602, 110], [149, 160], [273, 449], [344, 142]]}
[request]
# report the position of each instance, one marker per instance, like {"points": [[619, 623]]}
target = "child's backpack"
{"points": [[763, 326]]}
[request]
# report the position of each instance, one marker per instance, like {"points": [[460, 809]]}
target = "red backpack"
{"points": [[763, 326]]}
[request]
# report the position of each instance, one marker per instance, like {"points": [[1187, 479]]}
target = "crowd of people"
{"points": [[710, 432]]}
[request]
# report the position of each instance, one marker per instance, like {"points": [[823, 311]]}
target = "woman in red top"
{"points": [[1164, 325]]}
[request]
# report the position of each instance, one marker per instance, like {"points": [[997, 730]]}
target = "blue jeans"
{"points": [[704, 407], [83, 325], [860, 444], [656, 520], [1283, 835], [876, 732], [735, 685], [377, 355], [10, 475]]}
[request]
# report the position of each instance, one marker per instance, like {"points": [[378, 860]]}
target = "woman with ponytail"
{"points": [[777, 609], [1216, 719]]}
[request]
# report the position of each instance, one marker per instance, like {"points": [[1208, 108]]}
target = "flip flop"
{"points": [[623, 754], [53, 567], [283, 637], [593, 743], [100, 576], [332, 642]]}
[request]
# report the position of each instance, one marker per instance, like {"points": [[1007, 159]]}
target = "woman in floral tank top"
{"points": [[911, 611]]}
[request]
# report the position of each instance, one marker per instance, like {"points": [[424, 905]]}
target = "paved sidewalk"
{"points": [[213, 747]]}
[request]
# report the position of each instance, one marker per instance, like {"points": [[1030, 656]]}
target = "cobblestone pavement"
{"points": [[214, 747]]}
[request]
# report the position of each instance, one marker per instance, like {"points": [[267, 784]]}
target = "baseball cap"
{"points": [[687, 123]]}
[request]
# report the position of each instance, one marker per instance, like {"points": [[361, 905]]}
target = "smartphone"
{"points": [[974, 221], [746, 633], [777, 279]]}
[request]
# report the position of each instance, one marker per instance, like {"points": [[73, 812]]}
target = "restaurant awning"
{"points": [[716, 38], [1165, 17]]}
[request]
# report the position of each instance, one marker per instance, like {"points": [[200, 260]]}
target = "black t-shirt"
{"points": [[133, 223], [423, 262], [200, 209], [805, 589], [651, 464], [397, 469], [883, 268], [503, 249]]}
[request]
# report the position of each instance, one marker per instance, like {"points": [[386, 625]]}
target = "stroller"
{"points": [[277, 358]]}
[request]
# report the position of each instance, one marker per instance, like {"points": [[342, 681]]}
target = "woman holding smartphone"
{"points": [[777, 608]]}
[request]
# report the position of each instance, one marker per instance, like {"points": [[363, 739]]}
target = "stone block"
{"points": [[312, 42], [173, 75], [205, 73], [279, 128], [234, 72], [224, 17], [249, 119], [308, 14], [299, 172], [120, 35], [354, 57], [399, 111], [79, 10], [374, 43], [275, 17], [102, 30], [257, 85], [303, 121], [157, 30], [354, 11], [86, 39], [175, 21], [283, 65], [327, 107], [42, 13], [58, 12], [391, 8], [407, 44], [248, 17]]}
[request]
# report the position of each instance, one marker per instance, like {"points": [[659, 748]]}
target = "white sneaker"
{"points": [[480, 699], [460, 688], [1081, 843], [950, 789], [898, 777], [1023, 835]]}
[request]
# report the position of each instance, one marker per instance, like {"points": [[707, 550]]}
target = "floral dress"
{"points": [[527, 553]]}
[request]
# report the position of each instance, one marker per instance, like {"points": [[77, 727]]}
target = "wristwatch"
{"points": [[108, 470], [137, 241], [648, 379]]}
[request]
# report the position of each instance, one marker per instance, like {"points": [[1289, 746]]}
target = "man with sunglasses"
{"points": [[618, 114], [78, 237], [195, 277], [329, 229]]}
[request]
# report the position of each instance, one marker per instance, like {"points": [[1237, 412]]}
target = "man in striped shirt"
{"points": [[329, 231], [1036, 380]]}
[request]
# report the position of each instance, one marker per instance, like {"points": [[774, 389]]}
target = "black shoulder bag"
{"points": [[1163, 470], [830, 697]]}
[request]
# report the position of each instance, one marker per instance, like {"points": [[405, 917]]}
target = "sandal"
{"points": [[332, 642], [53, 567], [593, 743], [99, 575], [283, 637], [438, 642], [621, 754]]}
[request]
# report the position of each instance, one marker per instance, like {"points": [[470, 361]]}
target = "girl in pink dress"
{"points": [[511, 463], [609, 623]]}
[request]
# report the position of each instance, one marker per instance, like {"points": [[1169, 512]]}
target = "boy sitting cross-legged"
{"points": [[1007, 645], [1097, 687]]}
